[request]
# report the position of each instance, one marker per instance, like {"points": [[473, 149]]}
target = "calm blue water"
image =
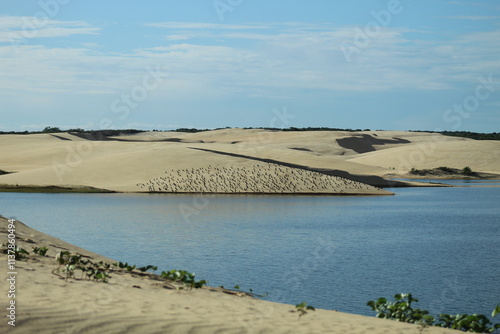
{"points": [[441, 244]]}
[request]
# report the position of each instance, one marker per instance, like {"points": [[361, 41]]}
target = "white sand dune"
{"points": [[482, 156], [123, 163], [134, 303]]}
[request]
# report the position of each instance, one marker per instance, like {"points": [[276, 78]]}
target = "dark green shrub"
{"points": [[402, 310], [467, 171], [40, 250], [68, 263], [184, 277], [302, 309], [11, 249]]}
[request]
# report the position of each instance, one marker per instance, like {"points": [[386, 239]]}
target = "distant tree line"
{"points": [[473, 135], [116, 132], [311, 129]]}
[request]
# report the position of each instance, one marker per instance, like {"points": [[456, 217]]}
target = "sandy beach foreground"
{"points": [[135, 303]]}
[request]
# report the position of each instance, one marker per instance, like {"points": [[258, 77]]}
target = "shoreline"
{"points": [[138, 303], [6, 188], [78, 190], [57, 189]]}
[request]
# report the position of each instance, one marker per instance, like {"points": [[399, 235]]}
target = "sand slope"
{"points": [[46, 303], [123, 163], [481, 156]]}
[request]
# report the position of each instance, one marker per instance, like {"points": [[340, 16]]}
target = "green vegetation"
{"points": [[18, 252], [99, 271], [466, 171], [473, 135], [148, 267], [183, 276], [302, 309], [309, 129], [50, 129], [401, 310], [40, 250], [125, 265], [496, 311], [69, 263]]}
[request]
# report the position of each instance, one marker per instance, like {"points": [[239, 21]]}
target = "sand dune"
{"points": [[133, 303], [481, 156], [260, 178], [123, 163]]}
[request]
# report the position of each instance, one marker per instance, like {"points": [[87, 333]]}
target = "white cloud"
{"points": [[254, 63], [178, 37], [15, 28]]}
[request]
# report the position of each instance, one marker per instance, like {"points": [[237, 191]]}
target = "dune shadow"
{"points": [[364, 143], [60, 137]]}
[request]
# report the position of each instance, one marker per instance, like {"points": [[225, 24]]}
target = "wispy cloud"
{"points": [[293, 57], [200, 25], [13, 28], [473, 18]]}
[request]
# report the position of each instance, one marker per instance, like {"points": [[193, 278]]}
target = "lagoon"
{"points": [[441, 244]]}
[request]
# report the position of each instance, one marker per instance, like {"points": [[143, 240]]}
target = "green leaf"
{"points": [[301, 305], [496, 311]]}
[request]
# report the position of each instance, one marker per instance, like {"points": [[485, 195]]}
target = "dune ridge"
{"points": [[120, 163], [262, 179]]}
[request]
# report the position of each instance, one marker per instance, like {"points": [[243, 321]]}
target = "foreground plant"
{"points": [[302, 309], [124, 265], [496, 311], [18, 252], [185, 277], [401, 309], [99, 271], [40, 250], [69, 263], [148, 267]]}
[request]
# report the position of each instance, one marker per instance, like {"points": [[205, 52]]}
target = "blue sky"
{"points": [[393, 64]]}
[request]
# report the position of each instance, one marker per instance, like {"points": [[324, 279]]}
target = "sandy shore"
{"points": [[133, 303]]}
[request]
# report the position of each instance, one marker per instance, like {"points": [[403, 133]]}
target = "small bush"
{"points": [[18, 252], [467, 171], [184, 277], [69, 263], [40, 250], [302, 309], [402, 310]]}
